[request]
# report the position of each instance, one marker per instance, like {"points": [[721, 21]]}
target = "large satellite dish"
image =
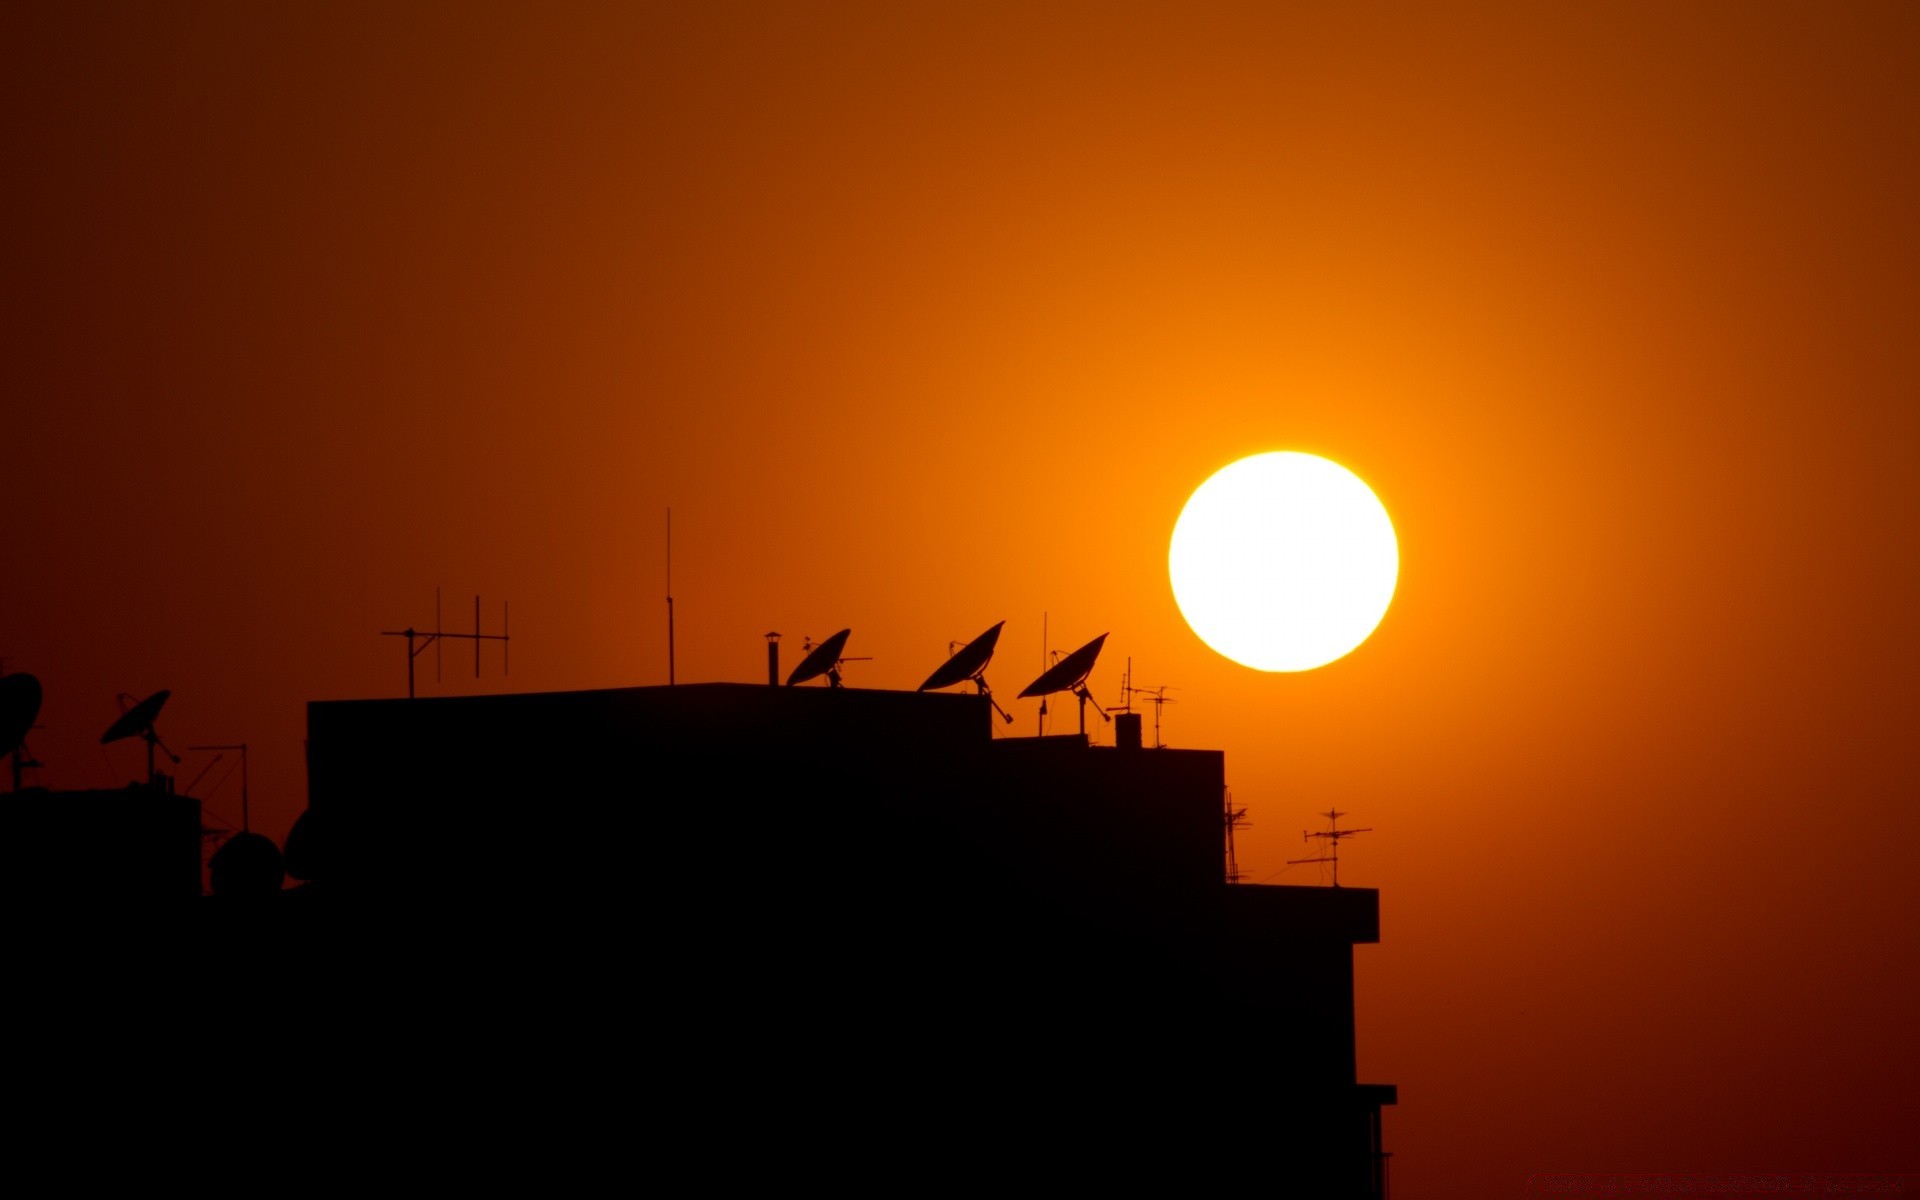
{"points": [[970, 663], [138, 722], [824, 660], [19, 708], [1070, 675]]}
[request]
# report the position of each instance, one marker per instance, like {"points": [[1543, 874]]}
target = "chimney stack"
{"points": [[773, 660], [1126, 731]]}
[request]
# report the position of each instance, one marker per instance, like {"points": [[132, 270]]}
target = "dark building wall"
{"points": [[736, 785], [872, 877], [886, 831], [132, 846], [744, 830]]}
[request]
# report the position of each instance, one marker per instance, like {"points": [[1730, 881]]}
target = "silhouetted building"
{"points": [[866, 887], [134, 848]]}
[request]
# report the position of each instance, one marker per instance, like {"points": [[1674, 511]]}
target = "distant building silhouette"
{"points": [[786, 887]]}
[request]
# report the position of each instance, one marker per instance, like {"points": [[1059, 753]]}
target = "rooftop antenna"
{"points": [[969, 663], [19, 705], [1332, 837], [1157, 696], [246, 812], [1070, 675], [1041, 729], [137, 721], [419, 639], [824, 658], [670, 680], [1236, 818]]}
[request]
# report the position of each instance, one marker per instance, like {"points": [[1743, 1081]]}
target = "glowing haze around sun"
{"points": [[1283, 561]]}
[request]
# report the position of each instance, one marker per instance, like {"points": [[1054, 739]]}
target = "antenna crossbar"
{"points": [[1156, 696], [1331, 835], [419, 639]]}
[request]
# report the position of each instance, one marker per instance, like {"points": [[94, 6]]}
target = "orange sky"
{"points": [[923, 320]]}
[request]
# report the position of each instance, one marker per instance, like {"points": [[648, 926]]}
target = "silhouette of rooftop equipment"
{"points": [[1236, 818], [1127, 729], [824, 659], [671, 681], [1331, 836], [1070, 675], [1156, 696], [19, 707], [969, 664], [246, 815], [773, 658], [138, 722], [433, 637]]}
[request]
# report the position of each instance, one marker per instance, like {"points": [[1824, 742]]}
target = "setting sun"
{"points": [[1284, 561]]}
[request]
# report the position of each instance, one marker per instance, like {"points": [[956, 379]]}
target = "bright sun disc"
{"points": [[1283, 562]]}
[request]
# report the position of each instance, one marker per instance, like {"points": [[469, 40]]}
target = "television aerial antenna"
{"points": [[1236, 818], [969, 664], [20, 698], [419, 639], [670, 673], [1331, 836], [137, 721], [824, 658], [1040, 726], [1156, 696], [1070, 675], [246, 821]]}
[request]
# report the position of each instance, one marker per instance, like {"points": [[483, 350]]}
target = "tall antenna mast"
{"points": [[419, 639], [1041, 729], [669, 596], [1332, 837], [1236, 818], [1159, 701], [1156, 695]]}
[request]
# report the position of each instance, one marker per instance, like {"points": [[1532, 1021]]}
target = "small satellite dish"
{"points": [[824, 660], [138, 722], [970, 663], [19, 708], [1070, 675]]}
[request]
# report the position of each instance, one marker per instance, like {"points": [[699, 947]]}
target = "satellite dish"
{"points": [[824, 660], [138, 722], [1070, 675], [1069, 672], [19, 708], [970, 663]]}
